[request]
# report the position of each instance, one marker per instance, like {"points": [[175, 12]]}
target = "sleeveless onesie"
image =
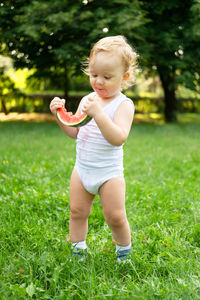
{"points": [[96, 159]]}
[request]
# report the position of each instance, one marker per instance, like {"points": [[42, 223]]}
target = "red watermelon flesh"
{"points": [[67, 118]]}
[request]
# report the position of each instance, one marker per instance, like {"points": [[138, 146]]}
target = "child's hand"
{"points": [[92, 107], [55, 104]]}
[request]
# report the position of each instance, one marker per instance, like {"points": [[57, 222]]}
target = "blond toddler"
{"points": [[99, 148]]}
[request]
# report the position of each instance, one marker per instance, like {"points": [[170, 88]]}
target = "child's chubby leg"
{"points": [[112, 195], [80, 207]]}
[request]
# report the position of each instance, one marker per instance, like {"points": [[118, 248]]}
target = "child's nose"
{"points": [[99, 80]]}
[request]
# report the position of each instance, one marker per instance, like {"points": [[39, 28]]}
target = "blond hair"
{"points": [[120, 45]]}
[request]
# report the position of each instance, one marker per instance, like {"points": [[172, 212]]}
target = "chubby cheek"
{"points": [[92, 82], [111, 86]]}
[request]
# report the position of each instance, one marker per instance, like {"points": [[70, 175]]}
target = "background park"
{"points": [[42, 47]]}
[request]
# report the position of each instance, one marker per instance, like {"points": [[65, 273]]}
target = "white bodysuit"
{"points": [[96, 159]]}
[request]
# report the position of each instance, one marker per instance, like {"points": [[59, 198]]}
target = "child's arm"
{"points": [[116, 131], [58, 103]]}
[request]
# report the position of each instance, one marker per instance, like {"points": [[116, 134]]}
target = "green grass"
{"points": [[162, 170]]}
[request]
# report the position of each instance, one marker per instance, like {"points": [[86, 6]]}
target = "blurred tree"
{"points": [[7, 86], [55, 36], [7, 89], [42, 35], [171, 46]]}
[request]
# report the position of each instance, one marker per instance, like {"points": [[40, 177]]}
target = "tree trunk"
{"points": [[169, 97], [3, 105]]}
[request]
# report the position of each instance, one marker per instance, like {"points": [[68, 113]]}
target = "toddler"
{"points": [[99, 147]]}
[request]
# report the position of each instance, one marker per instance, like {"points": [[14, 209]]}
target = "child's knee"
{"points": [[77, 212], [115, 218]]}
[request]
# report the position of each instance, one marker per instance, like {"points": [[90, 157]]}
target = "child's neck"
{"points": [[105, 101]]}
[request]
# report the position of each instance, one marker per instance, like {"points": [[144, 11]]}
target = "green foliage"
{"points": [[170, 48], [7, 86], [162, 172], [171, 39], [7, 90], [143, 105], [55, 36]]}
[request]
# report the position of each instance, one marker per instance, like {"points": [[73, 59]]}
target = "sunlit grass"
{"points": [[162, 174]]}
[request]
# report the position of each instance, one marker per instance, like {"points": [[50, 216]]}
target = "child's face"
{"points": [[106, 74]]}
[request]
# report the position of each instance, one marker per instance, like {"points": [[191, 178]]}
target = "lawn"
{"points": [[162, 170]]}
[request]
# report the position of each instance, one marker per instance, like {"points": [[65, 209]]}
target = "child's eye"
{"points": [[107, 77], [94, 75]]}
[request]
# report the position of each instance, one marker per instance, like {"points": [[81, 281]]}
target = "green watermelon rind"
{"points": [[77, 124]]}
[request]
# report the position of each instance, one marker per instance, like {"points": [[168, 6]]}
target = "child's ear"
{"points": [[126, 75]]}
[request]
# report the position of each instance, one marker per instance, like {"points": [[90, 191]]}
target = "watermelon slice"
{"points": [[67, 118]]}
